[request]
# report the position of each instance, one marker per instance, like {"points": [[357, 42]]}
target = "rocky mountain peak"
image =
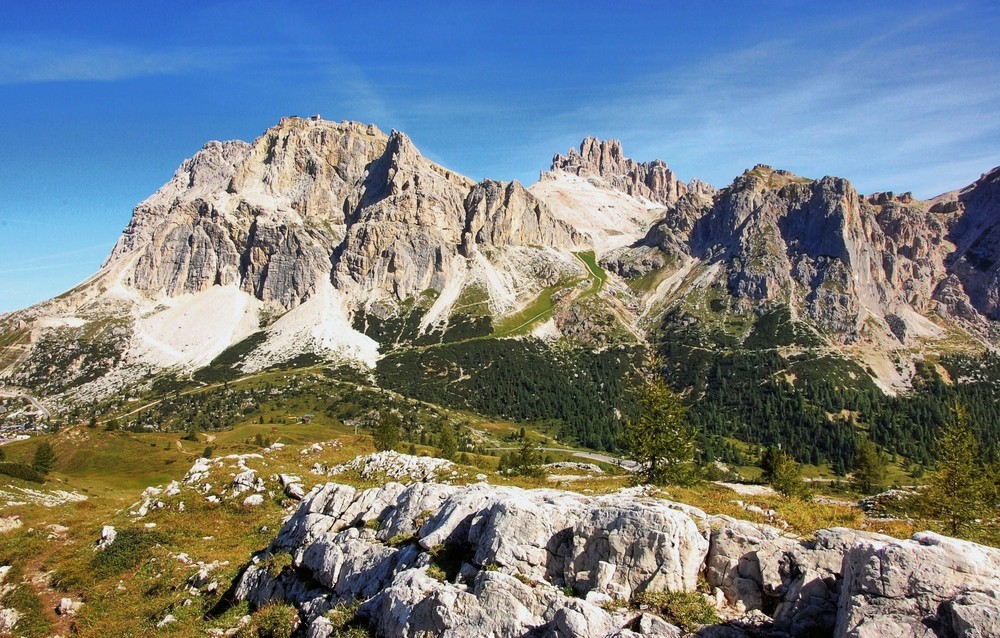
{"points": [[359, 221], [975, 263], [605, 159], [312, 165]]}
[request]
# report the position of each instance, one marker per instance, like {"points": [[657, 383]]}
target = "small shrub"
{"points": [[21, 471], [422, 518], [613, 605], [271, 621], [524, 579], [435, 572], [401, 539], [345, 621], [276, 563], [130, 548], [687, 610], [449, 559]]}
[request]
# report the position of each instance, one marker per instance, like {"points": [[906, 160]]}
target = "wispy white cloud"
{"points": [[41, 59], [25, 269], [891, 112], [55, 259]]}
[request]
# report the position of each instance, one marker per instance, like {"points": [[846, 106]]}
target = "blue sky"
{"points": [[102, 101]]}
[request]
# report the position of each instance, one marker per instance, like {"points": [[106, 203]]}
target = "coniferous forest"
{"points": [[816, 406]]}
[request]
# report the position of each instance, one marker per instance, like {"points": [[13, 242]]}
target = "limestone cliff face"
{"points": [[351, 218], [503, 214], [605, 159], [182, 243], [807, 243], [404, 233], [313, 201], [837, 258], [974, 265]]}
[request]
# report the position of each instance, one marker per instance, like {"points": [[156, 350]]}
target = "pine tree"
{"points": [[659, 439], [959, 487], [44, 457], [447, 445], [385, 434], [782, 473], [870, 470]]}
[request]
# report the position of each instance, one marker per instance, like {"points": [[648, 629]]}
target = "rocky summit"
{"points": [[309, 239], [481, 560]]}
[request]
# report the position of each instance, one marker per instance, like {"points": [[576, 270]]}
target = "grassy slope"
{"points": [[113, 467], [540, 310]]}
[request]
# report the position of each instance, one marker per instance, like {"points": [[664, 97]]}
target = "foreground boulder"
{"points": [[930, 586], [483, 560], [477, 560], [851, 584]]}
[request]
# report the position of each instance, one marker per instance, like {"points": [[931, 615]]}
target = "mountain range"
{"points": [[337, 242]]}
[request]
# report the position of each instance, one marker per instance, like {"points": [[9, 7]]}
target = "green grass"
{"points": [[100, 461], [473, 300], [131, 547], [542, 307], [687, 610], [648, 282], [597, 274], [537, 311]]}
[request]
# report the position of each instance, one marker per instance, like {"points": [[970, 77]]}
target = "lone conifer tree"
{"points": [[659, 438], [869, 467], [448, 447], [385, 434], [958, 488], [783, 474], [44, 457]]}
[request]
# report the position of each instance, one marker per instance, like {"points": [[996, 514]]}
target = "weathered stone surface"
{"points": [[512, 552], [622, 546], [975, 261], [489, 560], [975, 615], [849, 583], [495, 604], [931, 585], [743, 561], [605, 159]]}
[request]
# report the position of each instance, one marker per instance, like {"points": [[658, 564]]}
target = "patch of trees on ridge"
{"points": [[522, 380], [817, 406]]}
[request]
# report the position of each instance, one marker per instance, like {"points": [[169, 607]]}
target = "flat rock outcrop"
{"points": [[929, 586], [482, 560], [851, 584]]}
